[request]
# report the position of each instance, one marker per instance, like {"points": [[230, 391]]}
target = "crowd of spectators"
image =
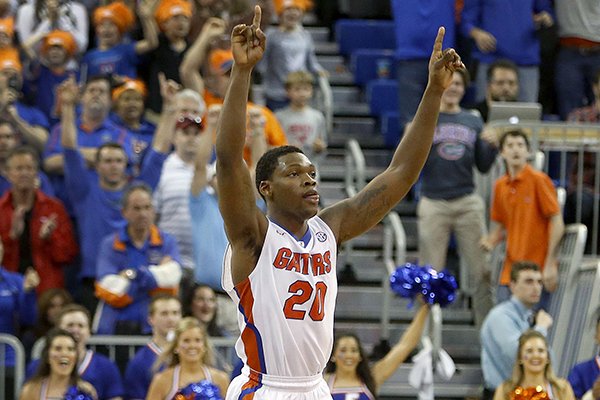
{"points": [[108, 194]]}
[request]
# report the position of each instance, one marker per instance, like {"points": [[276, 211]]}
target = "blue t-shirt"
{"points": [[120, 60], [583, 376], [141, 139], [96, 369], [32, 115], [139, 373], [16, 307]]}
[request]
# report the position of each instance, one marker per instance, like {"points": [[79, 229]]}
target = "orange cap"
{"points": [[170, 8], [7, 26], [281, 5], [60, 38], [129, 84], [116, 12], [9, 59], [220, 61]]}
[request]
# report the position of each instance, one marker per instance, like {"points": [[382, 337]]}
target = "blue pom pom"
{"points": [[203, 390], [74, 393], [409, 280]]}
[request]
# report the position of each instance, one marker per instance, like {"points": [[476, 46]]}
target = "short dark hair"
{"points": [[464, 73], [73, 308], [100, 77], [24, 150], [519, 266], [160, 297], [501, 64], [134, 187], [268, 162], [109, 145], [514, 133], [43, 370]]}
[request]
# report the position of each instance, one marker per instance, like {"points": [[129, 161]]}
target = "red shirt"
{"points": [[49, 255]]}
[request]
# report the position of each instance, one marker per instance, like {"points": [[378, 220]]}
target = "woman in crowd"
{"points": [[49, 305], [57, 376], [532, 373], [188, 358], [348, 372], [201, 303]]}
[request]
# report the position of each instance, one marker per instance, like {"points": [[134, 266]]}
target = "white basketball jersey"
{"points": [[286, 305]]}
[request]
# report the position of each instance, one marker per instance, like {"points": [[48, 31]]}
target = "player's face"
{"points": [[455, 92], [139, 211], [534, 355], [514, 151], [130, 105], [190, 345], [62, 355], [111, 165], [504, 85], [22, 172], [528, 287], [204, 304], [78, 325], [347, 354], [165, 317], [293, 185], [300, 93]]}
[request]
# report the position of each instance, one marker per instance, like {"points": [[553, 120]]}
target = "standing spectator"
{"points": [[92, 367], [173, 18], [128, 99], [304, 126], [45, 73], [502, 85], [134, 263], [533, 371], [507, 29], [416, 23], [42, 16], [290, 48], [525, 210], [171, 198], [8, 142], [449, 204], [57, 374], [579, 55], [35, 228], [114, 55], [17, 310], [164, 313], [189, 362], [507, 321], [585, 376], [101, 193], [30, 122]]}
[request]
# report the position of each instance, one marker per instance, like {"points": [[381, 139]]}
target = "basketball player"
{"points": [[280, 268]]}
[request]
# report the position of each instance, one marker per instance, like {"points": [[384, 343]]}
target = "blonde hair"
{"points": [[558, 385], [170, 358], [298, 77]]}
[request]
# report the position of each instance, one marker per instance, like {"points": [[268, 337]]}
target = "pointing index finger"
{"points": [[437, 46], [257, 17]]}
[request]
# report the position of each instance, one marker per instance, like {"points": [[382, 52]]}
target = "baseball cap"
{"points": [[130, 84], [9, 59]]}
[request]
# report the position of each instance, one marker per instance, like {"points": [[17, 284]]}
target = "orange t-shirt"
{"points": [[524, 206], [273, 131]]}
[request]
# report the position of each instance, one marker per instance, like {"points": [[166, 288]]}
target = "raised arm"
{"points": [[145, 12], [353, 216], [205, 146], [245, 225], [386, 367], [550, 273], [189, 70]]}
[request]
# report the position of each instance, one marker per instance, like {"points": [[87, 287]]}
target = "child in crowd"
{"points": [[304, 126], [289, 48], [114, 54], [48, 71]]}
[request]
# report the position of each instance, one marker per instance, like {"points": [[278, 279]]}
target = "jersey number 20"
{"points": [[302, 294]]}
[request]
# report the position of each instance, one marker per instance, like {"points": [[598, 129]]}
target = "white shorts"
{"points": [[268, 387]]}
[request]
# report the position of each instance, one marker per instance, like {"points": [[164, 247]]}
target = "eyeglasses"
{"points": [[187, 120]]}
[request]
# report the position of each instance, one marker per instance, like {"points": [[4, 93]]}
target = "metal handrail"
{"points": [[327, 94], [354, 175], [19, 371]]}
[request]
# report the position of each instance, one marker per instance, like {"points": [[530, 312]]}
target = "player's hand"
{"points": [[248, 42], [442, 64]]}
